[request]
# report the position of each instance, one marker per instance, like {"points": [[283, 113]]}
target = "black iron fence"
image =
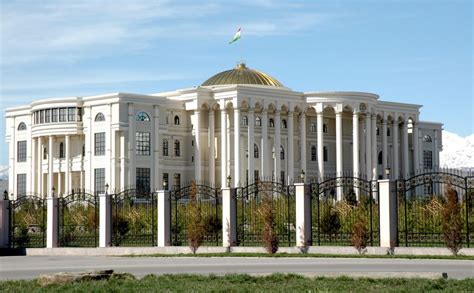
{"points": [[78, 220], [250, 221], [134, 218], [338, 204], [28, 222], [421, 203], [207, 209]]}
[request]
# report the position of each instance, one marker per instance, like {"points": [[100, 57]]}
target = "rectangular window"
{"points": [[142, 143], [47, 116], [142, 181], [79, 114], [71, 114], [62, 114], [165, 181], [99, 144], [54, 116], [99, 180], [428, 159], [21, 185], [177, 180], [42, 116], [21, 151]]}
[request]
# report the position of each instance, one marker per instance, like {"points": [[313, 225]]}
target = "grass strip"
{"points": [[304, 255], [245, 283]]}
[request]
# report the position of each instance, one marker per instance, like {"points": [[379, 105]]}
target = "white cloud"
{"points": [[458, 152]]}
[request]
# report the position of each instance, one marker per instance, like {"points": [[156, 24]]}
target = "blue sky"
{"points": [[406, 51]]}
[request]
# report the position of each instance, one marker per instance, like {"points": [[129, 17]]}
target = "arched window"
{"points": [[245, 120], [99, 117], [379, 159], [61, 150], [165, 147], [377, 131], [258, 121], [45, 153], [325, 128], [271, 122], [313, 153], [142, 116], [388, 131], [282, 153], [283, 124], [176, 120], [427, 138], [83, 150], [22, 126], [255, 151], [325, 154], [177, 150], [313, 127]]}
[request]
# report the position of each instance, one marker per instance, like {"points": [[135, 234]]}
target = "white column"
{"points": [[368, 146], [374, 147], [50, 166], [197, 145], [237, 172], [105, 220], [250, 145], [229, 217], [303, 141], [264, 153], [11, 157], [355, 144], [33, 166], [388, 213], [406, 170], [291, 152], [123, 170], [384, 148], [164, 218], [156, 147], [320, 124], [131, 146], [303, 214], [40, 167], [277, 167], [52, 221], [416, 158], [67, 183], [396, 167], [339, 157], [212, 158], [362, 166], [223, 147], [436, 164], [110, 146]]}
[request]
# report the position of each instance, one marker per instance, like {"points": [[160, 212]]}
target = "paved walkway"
{"points": [[29, 267]]}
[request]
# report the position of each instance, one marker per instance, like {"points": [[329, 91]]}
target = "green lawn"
{"points": [[246, 283]]}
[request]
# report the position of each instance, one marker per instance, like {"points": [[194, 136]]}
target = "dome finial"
{"points": [[241, 65]]}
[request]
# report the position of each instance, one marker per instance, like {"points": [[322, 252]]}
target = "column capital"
{"points": [[277, 112]]}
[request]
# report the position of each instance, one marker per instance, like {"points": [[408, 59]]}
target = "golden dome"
{"points": [[241, 74]]}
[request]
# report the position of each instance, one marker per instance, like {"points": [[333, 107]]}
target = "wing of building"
{"points": [[240, 124]]}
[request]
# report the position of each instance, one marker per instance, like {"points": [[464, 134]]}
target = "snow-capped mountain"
{"points": [[458, 152]]}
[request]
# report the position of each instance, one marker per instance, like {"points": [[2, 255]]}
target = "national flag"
{"points": [[236, 37]]}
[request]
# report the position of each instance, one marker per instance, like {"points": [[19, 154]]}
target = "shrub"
{"points": [[360, 235], [195, 228], [330, 223], [351, 197], [452, 223], [270, 239]]}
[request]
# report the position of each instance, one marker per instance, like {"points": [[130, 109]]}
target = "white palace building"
{"points": [[240, 123]]}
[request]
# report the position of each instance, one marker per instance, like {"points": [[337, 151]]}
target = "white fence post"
{"points": [[4, 222], [388, 213], [105, 220], [229, 217], [164, 218], [52, 221], [303, 214]]}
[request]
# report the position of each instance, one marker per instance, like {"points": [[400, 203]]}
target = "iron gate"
{"points": [[249, 220], [209, 207], [78, 220], [134, 218], [421, 201], [28, 222], [337, 204]]}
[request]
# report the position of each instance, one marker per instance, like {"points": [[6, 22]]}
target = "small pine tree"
{"points": [[270, 239], [360, 235], [195, 228], [452, 223]]}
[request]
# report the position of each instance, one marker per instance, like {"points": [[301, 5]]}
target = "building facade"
{"points": [[240, 123]]}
